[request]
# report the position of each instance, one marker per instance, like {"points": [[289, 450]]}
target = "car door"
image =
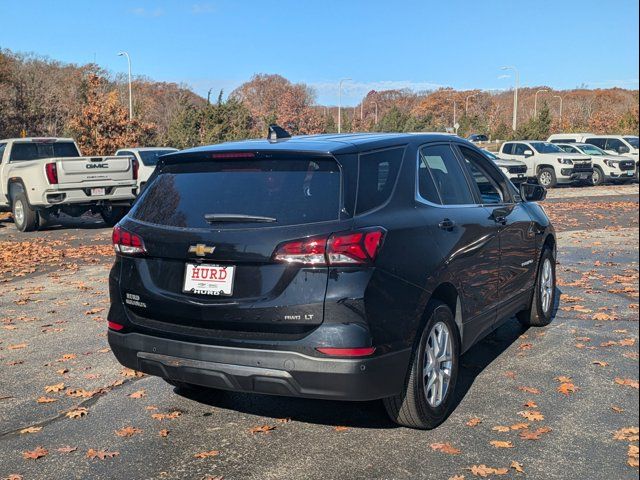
{"points": [[467, 240], [516, 232]]}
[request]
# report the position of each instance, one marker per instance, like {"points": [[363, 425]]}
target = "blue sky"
{"points": [[379, 44]]}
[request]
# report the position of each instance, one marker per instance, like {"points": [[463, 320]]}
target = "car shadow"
{"points": [[361, 414]]}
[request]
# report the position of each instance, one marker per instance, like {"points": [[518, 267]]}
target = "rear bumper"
{"points": [[272, 372], [81, 194]]}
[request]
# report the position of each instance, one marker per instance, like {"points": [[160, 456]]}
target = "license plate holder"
{"points": [[98, 192], [208, 279]]}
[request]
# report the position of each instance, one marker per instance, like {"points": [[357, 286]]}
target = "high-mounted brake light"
{"points": [[127, 243], [347, 352], [234, 155], [350, 248], [52, 173]]}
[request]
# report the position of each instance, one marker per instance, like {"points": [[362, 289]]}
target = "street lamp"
{"points": [[515, 95], [125, 54], [561, 100], [535, 101], [466, 102], [340, 103]]}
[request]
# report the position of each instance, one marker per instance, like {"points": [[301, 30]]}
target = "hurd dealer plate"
{"points": [[205, 279], [98, 192]]}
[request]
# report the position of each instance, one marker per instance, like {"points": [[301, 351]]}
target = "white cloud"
{"points": [[354, 89], [144, 12], [202, 8]]}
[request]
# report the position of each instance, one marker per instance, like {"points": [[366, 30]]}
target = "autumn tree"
{"points": [[103, 125]]}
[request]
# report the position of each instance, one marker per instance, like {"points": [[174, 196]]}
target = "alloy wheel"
{"points": [[545, 179], [438, 364], [546, 286], [18, 212]]}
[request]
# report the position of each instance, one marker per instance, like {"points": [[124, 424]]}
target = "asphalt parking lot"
{"points": [[559, 402]]}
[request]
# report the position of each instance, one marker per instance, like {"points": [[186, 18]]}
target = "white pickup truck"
{"points": [[40, 177]]}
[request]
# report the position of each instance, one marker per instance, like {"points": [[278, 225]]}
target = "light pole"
{"points": [[125, 54], [535, 101], [340, 103], [561, 100], [466, 102], [515, 95]]}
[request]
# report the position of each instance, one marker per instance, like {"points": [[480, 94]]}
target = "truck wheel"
{"points": [[547, 178], [540, 312], [598, 176], [24, 217], [112, 215], [428, 394]]}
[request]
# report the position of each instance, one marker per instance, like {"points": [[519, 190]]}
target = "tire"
{"points": [[412, 408], [112, 215], [598, 176], [547, 178], [24, 216], [540, 312]]}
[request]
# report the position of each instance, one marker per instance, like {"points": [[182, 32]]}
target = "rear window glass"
{"points": [[378, 174], [291, 192], [37, 150]]}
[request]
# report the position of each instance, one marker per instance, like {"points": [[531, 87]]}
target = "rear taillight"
{"points": [[136, 167], [127, 243], [115, 326], [52, 173], [352, 248]]}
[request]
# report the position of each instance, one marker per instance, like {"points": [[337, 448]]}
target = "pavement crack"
{"points": [[83, 404]]}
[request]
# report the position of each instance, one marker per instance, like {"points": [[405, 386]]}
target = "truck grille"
{"points": [[582, 167], [518, 169], [627, 165]]}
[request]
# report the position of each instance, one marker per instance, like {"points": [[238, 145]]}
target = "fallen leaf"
{"points": [[445, 448], [630, 434], [39, 452], [501, 429], [617, 409], [138, 394], [31, 430], [627, 382], [518, 467], [54, 388], [531, 390], [530, 404], [101, 454], [77, 413], [261, 429], [210, 453], [532, 415], [127, 431], [567, 388], [501, 444], [341, 429], [164, 433], [18, 346], [535, 434], [633, 453], [484, 471], [67, 449], [519, 426], [600, 363], [166, 416], [46, 400], [474, 422]]}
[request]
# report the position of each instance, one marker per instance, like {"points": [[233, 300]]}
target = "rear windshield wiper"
{"points": [[236, 218]]}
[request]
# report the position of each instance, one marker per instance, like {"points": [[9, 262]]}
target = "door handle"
{"points": [[447, 224], [502, 220]]}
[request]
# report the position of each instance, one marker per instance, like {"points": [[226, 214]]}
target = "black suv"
{"points": [[348, 267]]}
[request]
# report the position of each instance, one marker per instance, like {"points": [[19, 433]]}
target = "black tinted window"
{"points": [[598, 142], [617, 145], [520, 148], [36, 150], [378, 174], [2, 147], [447, 175], [489, 190], [291, 191], [507, 148]]}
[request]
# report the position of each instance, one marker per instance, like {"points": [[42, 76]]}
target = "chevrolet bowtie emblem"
{"points": [[201, 250]]}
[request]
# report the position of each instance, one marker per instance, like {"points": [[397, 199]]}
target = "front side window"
{"points": [[616, 145], [520, 148], [378, 172], [633, 141], [2, 147], [441, 179], [545, 147], [488, 188], [507, 148], [568, 149], [598, 142]]}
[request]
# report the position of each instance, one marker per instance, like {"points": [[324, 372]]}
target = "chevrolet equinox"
{"points": [[345, 267]]}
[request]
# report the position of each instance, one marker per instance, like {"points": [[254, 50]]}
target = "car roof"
{"points": [[146, 149], [38, 139], [325, 143]]}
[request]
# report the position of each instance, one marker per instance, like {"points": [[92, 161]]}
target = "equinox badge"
{"points": [[201, 250]]}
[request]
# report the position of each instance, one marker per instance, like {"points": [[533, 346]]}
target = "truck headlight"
{"points": [[565, 161], [505, 170], [611, 163]]}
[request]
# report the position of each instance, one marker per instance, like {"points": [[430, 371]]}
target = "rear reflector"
{"points": [[127, 243], [347, 352], [115, 326], [353, 248], [52, 173]]}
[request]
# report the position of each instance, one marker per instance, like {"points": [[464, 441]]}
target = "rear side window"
{"points": [[2, 147], [598, 142], [36, 150], [378, 173], [446, 183], [291, 191]]}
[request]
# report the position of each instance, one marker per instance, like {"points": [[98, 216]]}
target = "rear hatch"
{"points": [[93, 169], [210, 229]]}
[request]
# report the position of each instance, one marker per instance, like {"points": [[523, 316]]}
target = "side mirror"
{"points": [[530, 192], [623, 149], [528, 153]]}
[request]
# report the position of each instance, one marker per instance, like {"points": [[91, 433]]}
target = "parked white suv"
{"points": [[147, 159], [40, 177], [606, 167], [626, 145], [547, 163]]}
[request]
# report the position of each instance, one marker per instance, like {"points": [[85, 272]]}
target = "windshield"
{"points": [[592, 150], [633, 141], [22, 151], [150, 157], [545, 147], [292, 192]]}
